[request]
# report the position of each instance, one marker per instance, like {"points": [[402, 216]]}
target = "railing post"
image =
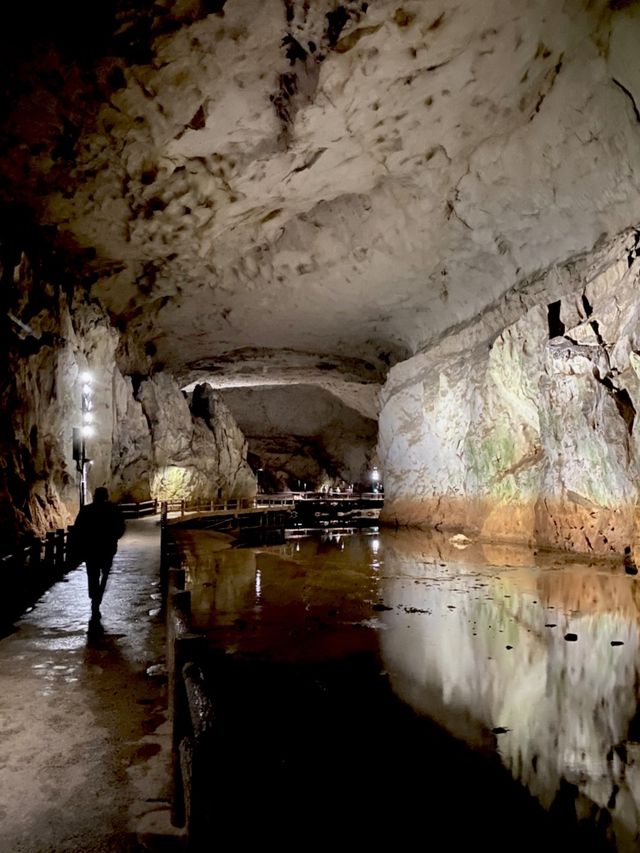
{"points": [[35, 552], [60, 556], [50, 549], [182, 506]]}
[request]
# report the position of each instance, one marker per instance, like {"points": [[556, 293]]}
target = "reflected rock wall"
{"points": [[479, 648], [523, 427]]}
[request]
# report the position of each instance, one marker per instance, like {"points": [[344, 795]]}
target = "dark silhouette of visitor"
{"points": [[96, 531]]}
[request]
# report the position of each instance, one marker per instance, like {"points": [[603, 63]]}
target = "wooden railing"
{"points": [[30, 570], [284, 499], [185, 507], [139, 509]]}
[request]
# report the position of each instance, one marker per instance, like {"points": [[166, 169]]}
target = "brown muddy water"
{"points": [[396, 689]]}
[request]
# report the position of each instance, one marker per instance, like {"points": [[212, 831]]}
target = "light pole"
{"points": [[81, 434], [375, 478]]}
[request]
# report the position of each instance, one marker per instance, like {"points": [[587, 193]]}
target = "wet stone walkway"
{"points": [[83, 731]]}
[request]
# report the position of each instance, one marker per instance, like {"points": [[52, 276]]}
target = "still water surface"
{"points": [[399, 684]]}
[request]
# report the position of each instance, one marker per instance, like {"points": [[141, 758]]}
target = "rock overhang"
{"points": [[346, 180]]}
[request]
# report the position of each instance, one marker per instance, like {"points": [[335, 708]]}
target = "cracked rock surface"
{"points": [[530, 435]]}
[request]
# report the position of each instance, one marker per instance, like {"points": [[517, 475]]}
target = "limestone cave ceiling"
{"points": [[278, 190]]}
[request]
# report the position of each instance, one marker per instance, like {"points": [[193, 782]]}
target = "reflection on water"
{"points": [[476, 638], [493, 653]]}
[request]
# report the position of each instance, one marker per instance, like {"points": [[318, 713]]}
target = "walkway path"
{"points": [[83, 731]]}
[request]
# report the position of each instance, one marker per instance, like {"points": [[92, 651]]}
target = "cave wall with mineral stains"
{"points": [[527, 432]]}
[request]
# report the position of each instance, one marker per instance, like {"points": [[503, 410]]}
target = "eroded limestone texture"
{"points": [[48, 338], [145, 440], [342, 178], [529, 434]]}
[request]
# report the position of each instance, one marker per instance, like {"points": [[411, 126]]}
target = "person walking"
{"points": [[96, 531]]}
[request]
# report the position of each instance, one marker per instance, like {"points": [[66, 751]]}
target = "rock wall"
{"points": [[529, 434], [197, 449], [151, 445], [302, 434], [41, 357]]}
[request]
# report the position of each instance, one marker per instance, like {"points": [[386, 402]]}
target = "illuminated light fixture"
{"points": [[81, 434], [375, 475]]}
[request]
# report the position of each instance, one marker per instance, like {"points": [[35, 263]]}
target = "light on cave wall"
{"points": [[170, 482]]}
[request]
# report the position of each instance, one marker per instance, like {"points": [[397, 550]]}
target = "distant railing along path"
{"points": [[183, 506]]}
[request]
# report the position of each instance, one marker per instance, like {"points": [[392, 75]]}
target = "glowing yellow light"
{"points": [[88, 432]]}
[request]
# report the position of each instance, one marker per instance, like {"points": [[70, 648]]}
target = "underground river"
{"points": [[394, 686]]}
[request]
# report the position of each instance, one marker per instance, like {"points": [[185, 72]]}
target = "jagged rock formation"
{"points": [[304, 436], [530, 434], [143, 439], [46, 338], [197, 450]]}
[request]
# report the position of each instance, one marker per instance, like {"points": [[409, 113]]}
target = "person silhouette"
{"points": [[96, 531]]}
